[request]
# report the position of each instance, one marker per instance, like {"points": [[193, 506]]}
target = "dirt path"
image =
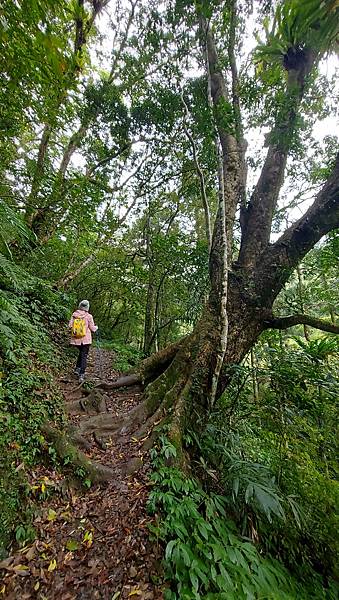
{"points": [[90, 544]]}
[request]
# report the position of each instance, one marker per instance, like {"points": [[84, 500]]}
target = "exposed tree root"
{"points": [[148, 370], [77, 439], [176, 382], [75, 389], [154, 365], [133, 466], [99, 441], [168, 400], [107, 424], [125, 381], [94, 403], [95, 471]]}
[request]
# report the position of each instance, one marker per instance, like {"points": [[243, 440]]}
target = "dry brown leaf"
{"points": [[31, 553], [132, 572], [4, 564]]}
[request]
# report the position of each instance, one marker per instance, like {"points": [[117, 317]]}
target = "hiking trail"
{"points": [[90, 544]]}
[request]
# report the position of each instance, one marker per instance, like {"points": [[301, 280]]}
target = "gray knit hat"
{"points": [[84, 305]]}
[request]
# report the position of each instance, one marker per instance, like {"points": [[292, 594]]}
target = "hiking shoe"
{"points": [[77, 371], [81, 378]]}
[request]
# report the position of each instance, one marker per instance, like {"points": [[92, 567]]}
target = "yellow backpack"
{"points": [[79, 328]]}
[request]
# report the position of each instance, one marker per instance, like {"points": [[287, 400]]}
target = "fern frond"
{"points": [[12, 228], [13, 276]]}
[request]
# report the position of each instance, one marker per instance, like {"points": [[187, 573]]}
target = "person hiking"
{"points": [[82, 325]]}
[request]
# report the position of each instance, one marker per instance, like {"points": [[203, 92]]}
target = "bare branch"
{"points": [[72, 145], [125, 215], [277, 262], [135, 172], [107, 159], [301, 319], [201, 178], [256, 220]]}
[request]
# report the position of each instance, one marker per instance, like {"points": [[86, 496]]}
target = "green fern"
{"points": [[319, 349], [13, 229], [300, 24], [14, 277]]}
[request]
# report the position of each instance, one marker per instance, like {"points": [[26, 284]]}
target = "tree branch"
{"points": [[239, 130], [201, 177], [256, 219], [82, 29], [228, 179], [231, 160], [300, 319], [123, 41], [72, 146], [79, 135], [79, 28], [83, 26], [275, 265]]}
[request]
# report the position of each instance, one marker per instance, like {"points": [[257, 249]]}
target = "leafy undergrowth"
{"points": [[30, 315], [126, 355], [205, 557], [275, 458]]}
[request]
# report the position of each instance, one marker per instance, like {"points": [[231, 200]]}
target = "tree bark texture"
{"points": [[232, 159], [149, 326]]}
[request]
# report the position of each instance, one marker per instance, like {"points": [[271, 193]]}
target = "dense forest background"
{"points": [[176, 164]]}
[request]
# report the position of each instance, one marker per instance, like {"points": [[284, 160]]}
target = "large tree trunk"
{"points": [[182, 391], [178, 379]]}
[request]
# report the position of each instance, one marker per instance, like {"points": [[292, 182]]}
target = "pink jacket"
{"points": [[87, 339]]}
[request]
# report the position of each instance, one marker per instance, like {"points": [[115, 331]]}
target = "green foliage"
{"points": [[29, 315], [13, 500], [274, 455], [12, 229], [176, 269], [300, 24], [35, 55], [93, 149], [251, 486], [126, 356], [204, 556]]}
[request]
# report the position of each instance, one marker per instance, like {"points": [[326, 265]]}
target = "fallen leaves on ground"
{"points": [[90, 544]]}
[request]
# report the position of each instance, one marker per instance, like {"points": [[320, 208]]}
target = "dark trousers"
{"points": [[82, 358]]}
